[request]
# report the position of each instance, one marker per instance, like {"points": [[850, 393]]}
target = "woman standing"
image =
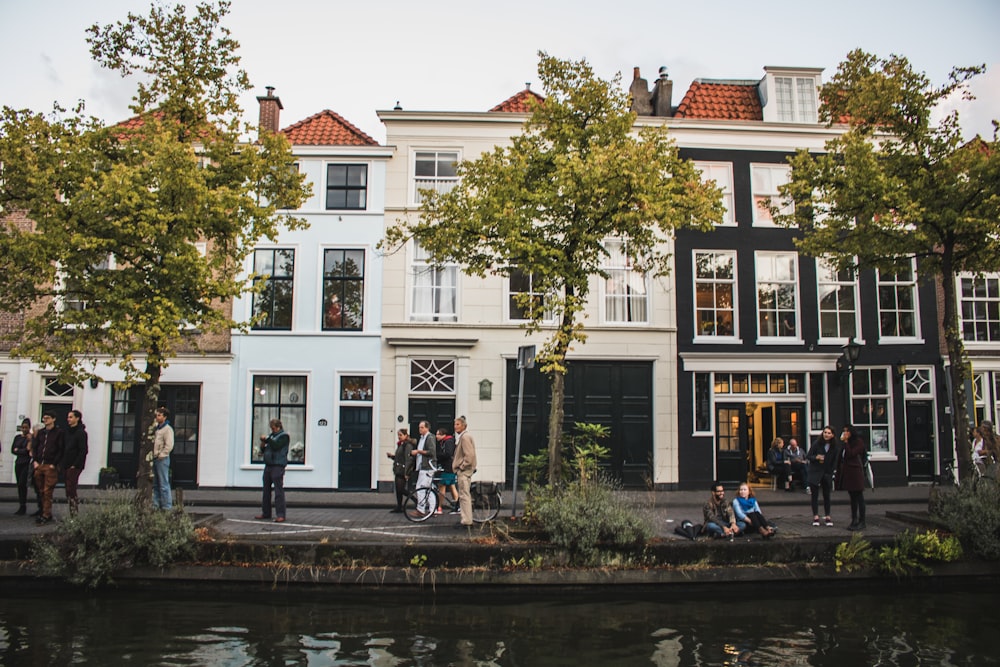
{"points": [[748, 514], [21, 449], [822, 457], [400, 460], [851, 477]]}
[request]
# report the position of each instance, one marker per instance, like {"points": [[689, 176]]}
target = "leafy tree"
{"points": [[896, 187], [546, 204], [139, 230]]}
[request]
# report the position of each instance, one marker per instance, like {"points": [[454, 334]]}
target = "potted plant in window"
{"points": [[108, 478]]}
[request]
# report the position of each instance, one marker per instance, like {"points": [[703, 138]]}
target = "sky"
{"points": [[361, 56]]}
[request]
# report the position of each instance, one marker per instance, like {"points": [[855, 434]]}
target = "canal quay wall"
{"points": [[350, 539]]}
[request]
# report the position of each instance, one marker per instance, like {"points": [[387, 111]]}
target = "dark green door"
{"points": [[920, 440], [355, 446], [440, 412]]}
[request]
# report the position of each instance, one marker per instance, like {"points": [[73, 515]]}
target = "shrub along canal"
{"points": [[862, 623]]}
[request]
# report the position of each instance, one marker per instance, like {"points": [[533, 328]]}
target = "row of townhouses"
{"points": [[695, 372]]}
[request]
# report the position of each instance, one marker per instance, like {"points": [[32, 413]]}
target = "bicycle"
{"points": [[422, 503], [948, 476]]}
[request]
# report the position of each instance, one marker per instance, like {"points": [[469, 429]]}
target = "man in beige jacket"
{"points": [[464, 464]]}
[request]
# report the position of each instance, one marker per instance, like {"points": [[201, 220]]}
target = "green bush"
{"points": [[910, 552], [120, 533], [972, 512], [588, 518]]}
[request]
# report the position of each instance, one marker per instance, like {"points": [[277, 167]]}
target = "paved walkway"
{"points": [[331, 516]]}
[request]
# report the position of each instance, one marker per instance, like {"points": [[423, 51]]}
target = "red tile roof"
{"points": [[722, 100], [519, 103], [326, 129]]}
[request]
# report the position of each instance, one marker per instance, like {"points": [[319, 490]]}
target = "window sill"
{"points": [[290, 467]]}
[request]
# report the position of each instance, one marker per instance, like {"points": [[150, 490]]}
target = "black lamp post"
{"points": [[852, 352]]}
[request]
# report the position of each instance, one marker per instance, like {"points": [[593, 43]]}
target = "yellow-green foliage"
{"points": [[910, 552], [853, 555]]}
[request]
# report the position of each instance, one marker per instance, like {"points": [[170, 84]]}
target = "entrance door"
{"points": [[184, 403], [730, 443], [440, 412], [355, 446], [920, 440]]}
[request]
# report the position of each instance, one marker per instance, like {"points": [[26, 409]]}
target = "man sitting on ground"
{"points": [[719, 518]]}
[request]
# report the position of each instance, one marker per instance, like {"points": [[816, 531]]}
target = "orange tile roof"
{"points": [[721, 100], [326, 128], [519, 103]]}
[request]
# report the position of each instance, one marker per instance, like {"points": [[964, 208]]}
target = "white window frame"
{"points": [[549, 316], [986, 307], [828, 280], [796, 99], [765, 179], [868, 426], [635, 286], [438, 183], [768, 261], [64, 302], [893, 282], [420, 271], [712, 334], [722, 174]]}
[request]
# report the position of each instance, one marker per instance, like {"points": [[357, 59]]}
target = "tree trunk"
{"points": [[556, 414], [150, 401], [956, 370]]}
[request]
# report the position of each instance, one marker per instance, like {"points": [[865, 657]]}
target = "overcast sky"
{"points": [[465, 55]]}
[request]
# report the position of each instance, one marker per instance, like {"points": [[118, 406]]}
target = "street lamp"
{"points": [[852, 352]]}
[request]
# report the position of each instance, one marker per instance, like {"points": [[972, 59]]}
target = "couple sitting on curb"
{"points": [[724, 519]]}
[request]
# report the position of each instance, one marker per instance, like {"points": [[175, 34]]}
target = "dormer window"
{"points": [[791, 96]]}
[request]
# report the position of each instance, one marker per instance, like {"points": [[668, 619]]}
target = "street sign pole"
{"points": [[525, 359]]}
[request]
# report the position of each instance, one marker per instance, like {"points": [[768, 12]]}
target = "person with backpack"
{"points": [[446, 452]]}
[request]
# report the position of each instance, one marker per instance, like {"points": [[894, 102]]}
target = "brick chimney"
{"points": [[663, 91], [270, 109], [639, 92]]}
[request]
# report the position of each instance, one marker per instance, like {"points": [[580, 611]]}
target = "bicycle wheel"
{"points": [[420, 504], [485, 506]]}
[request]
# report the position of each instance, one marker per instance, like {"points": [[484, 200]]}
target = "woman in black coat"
{"points": [[823, 456], [851, 477]]}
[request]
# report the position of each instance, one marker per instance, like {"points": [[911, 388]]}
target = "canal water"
{"points": [[802, 625]]}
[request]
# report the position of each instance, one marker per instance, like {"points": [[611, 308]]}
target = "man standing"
{"points": [[21, 449], [426, 453], [163, 444], [75, 457], [274, 448], [49, 446], [720, 521], [464, 464]]}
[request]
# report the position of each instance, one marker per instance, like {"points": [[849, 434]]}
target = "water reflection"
{"points": [[516, 628]]}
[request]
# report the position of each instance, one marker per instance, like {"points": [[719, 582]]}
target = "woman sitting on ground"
{"points": [[748, 514]]}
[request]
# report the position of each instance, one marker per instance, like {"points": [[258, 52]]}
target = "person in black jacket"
{"points": [[21, 449], [823, 458], [48, 449], [75, 457]]}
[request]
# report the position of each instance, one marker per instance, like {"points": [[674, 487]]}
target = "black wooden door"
{"points": [[355, 447], [184, 403], [616, 394], [731, 443], [920, 440], [440, 412]]}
